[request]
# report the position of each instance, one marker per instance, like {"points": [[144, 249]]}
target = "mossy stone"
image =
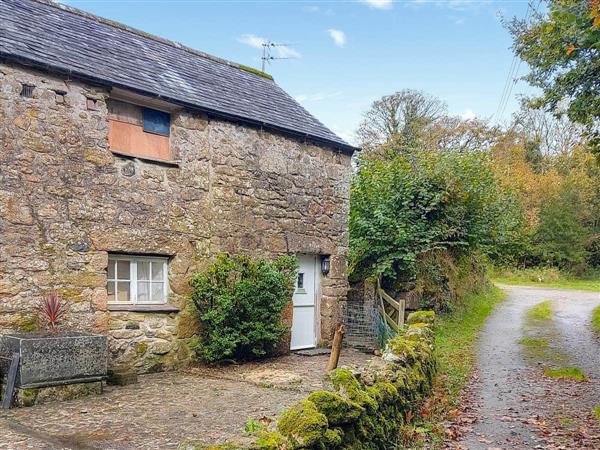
{"points": [[269, 440], [27, 323], [304, 425], [140, 348], [420, 317], [347, 385], [337, 409]]}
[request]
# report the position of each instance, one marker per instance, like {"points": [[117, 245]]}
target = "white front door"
{"points": [[304, 319]]}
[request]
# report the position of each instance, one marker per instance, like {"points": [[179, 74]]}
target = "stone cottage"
{"points": [[128, 161]]}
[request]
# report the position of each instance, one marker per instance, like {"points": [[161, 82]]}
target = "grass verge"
{"points": [[596, 320], [579, 285], [534, 342], [546, 277], [567, 373], [541, 311], [456, 335], [455, 339]]}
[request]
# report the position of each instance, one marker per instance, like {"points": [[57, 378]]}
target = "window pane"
{"points": [[158, 295], [143, 292], [157, 271], [110, 288], [123, 270], [156, 121], [143, 270], [123, 291], [111, 269]]}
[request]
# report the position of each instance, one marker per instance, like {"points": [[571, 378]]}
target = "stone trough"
{"points": [[53, 360]]}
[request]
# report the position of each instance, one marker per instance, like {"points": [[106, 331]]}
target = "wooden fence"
{"points": [[392, 311]]}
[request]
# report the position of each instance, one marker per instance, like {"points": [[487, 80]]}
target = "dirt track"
{"points": [[512, 404]]}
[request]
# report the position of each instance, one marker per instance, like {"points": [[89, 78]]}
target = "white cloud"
{"points": [[338, 36], [317, 97], [378, 4], [281, 51], [252, 40], [468, 115]]}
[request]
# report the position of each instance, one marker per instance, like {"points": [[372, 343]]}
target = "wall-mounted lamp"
{"points": [[325, 265]]}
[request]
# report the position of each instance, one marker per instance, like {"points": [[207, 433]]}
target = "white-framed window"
{"points": [[137, 279]]}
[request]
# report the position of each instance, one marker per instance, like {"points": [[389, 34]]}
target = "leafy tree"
{"points": [[410, 121], [562, 48], [399, 119], [561, 237], [560, 195], [405, 207]]}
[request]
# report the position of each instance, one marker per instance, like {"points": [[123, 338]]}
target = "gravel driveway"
{"points": [[515, 405]]}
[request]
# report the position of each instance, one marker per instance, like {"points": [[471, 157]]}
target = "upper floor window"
{"points": [[137, 279], [138, 131]]}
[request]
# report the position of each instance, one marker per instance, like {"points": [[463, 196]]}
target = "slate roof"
{"points": [[62, 39]]}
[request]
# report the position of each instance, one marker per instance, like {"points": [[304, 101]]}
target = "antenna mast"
{"points": [[267, 57]]}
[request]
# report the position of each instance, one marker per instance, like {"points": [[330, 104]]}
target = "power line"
{"points": [[513, 72], [515, 79]]}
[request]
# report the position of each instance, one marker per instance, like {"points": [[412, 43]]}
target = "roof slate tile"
{"points": [[60, 38]]}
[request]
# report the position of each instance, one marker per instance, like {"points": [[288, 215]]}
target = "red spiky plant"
{"points": [[51, 310]]}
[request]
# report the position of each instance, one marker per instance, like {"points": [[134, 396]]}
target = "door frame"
{"points": [[317, 304]]}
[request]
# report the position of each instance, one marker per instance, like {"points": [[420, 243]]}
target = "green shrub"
{"points": [[406, 207], [442, 279], [241, 300]]}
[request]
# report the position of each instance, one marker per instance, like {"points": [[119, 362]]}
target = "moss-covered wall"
{"points": [[363, 410]]}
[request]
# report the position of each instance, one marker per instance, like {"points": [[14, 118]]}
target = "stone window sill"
{"points": [[144, 308], [165, 162]]}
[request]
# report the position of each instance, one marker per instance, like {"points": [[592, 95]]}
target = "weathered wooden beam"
{"points": [[9, 389], [388, 320], [401, 312], [336, 348], [389, 299]]}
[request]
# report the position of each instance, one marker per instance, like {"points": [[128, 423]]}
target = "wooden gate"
{"points": [[392, 311]]}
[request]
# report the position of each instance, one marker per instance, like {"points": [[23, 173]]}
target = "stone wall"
{"points": [[66, 202], [360, 409]]}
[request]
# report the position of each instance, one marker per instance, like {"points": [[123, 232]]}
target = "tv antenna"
{"points": [[267, 55]]}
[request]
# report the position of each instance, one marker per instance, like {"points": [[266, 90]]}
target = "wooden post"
{"points": [[336, 347], [9, 389]]}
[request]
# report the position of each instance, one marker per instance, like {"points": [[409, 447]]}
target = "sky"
{"points": [[343, 55]]}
